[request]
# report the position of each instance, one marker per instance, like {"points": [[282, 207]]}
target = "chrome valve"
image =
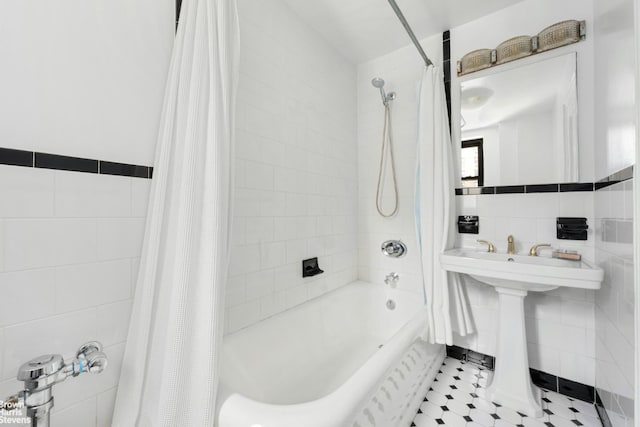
{"points": [[42, 373], [394, 248]]}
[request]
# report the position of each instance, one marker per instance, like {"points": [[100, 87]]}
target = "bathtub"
{"points": [[341, 360]]}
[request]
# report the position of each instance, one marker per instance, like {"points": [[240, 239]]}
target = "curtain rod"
{"points": [[406, 26]]}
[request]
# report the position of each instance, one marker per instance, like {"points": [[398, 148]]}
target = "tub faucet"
{"points": [[511, 249], [392, 279], [42, 373]]}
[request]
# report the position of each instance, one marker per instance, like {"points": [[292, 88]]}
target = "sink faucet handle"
{"points": [[511, 248], [534, 249], [490, 247]]}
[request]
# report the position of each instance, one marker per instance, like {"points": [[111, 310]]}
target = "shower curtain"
{"points": [[170, 370], [445, 298]]}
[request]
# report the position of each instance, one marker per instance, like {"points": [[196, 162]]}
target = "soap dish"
{"points": [[565, 254]]}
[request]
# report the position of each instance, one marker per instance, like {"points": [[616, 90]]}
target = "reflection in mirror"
{"points": [[520, 126]]}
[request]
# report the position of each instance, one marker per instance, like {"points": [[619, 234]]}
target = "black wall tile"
{"points": [[12, 157], [542, 188], [544, 380], [510, 189], [576, 390], [75, 164], [586, 186], [111, 168], [456, 352]]}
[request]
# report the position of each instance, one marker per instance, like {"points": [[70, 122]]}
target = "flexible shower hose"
{"points": [[387, 145]]}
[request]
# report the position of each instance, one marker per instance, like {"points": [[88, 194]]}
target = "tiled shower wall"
{"points": [[296, 178], [402, 71]]}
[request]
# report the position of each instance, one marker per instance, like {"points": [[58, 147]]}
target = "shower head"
{"points": [[377, 82], [386, 97]]}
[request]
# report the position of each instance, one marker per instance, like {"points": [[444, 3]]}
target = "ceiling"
{"points": [[365, 29]]}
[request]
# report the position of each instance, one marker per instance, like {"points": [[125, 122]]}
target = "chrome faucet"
{"points": [[42, 373], [511, 248], [392, 279]]}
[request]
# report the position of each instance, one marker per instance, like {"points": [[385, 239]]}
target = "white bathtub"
{"points": [[321, 365]]}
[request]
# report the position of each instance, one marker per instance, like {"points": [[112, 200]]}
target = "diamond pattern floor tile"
{"points": [[457, 398]]}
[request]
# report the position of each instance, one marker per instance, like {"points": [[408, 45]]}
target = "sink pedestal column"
{"points": [[511, 385]]}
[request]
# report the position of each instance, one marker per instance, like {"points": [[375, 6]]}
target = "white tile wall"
{"points": [[296, 179], [402, 71], [69, 249], [560, 323], [615, 339]]}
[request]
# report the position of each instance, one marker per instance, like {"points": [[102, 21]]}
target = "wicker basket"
{"points": [[560, 34], [517, 47], [475, 61]]}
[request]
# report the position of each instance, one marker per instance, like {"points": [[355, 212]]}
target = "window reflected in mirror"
{"points": [[472, 163]]}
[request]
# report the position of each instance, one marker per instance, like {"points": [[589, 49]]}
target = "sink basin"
{"points": [[530, 273], [513, 276]]}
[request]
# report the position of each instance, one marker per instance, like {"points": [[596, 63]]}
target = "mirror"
{"points": [[520, 126]]}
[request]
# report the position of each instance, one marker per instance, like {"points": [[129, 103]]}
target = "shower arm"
{"points": [[412, 36]]}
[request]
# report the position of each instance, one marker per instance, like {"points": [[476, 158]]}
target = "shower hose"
{"points": [[386, 153]]}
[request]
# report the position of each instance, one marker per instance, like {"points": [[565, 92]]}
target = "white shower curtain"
{"points": [[445, 298], [170, 370]]}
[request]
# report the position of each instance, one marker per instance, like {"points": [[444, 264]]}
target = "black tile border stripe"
{"points": [[446, 65], [526, 189], [65, 163], [620, 176], [122, 169], [566, 387], [12, 157], [33, 159]]}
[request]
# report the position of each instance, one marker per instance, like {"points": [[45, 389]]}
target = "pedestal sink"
{"points": [[513, 276]]}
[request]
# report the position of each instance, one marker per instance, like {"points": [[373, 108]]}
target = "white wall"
{"points": [[81, 79], [615, 130], [296, 181], [84, 78], [560, 323], [402, 71], [614, 92]]}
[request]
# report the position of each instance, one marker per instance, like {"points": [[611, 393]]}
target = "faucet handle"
{"points": [[91, 358], [534, 249], [88, 348], [490, 247], [96, 362]]}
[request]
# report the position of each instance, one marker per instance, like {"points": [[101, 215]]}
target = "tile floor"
{"points": [[456, 398]]}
